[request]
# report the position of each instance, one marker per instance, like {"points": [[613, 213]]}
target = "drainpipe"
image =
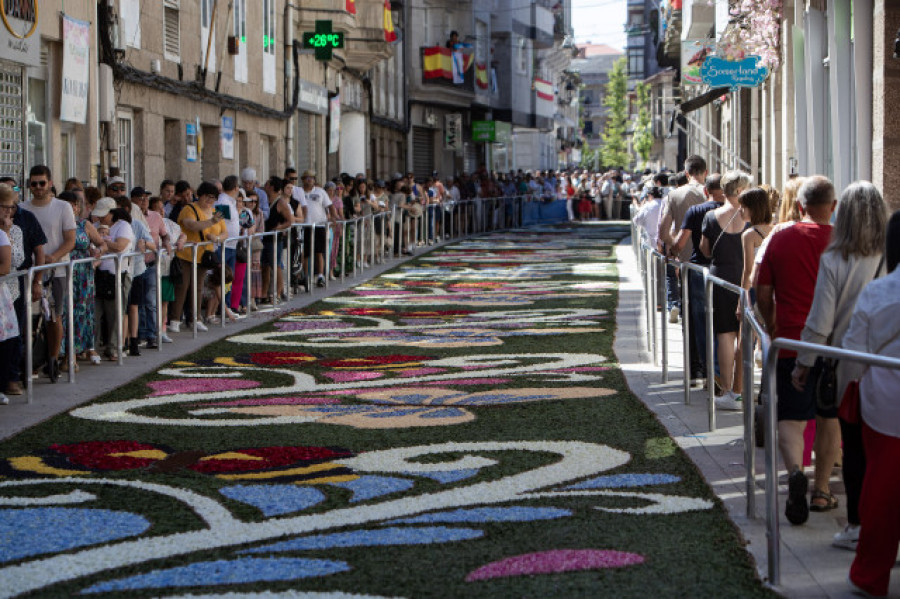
{"points": [[290, 125]]}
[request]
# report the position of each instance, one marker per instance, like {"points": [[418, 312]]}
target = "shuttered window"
{"points": [[172, 30], [423, 151]]}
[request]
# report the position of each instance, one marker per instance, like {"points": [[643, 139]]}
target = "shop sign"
{"points": [[453, 131], [191, 138], [20, 40], [76, 70], [749, 72], [693, 54], [313, 98], [491, 131]]}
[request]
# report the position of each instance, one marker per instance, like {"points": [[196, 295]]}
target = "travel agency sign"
{"points": [[718, 72]]}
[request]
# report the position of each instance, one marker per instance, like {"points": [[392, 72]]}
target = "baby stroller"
{"points": [[40, 349], [297, 279]]}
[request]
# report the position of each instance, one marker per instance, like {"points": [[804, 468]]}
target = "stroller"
{"points": [[40, 348], [297, 278]]}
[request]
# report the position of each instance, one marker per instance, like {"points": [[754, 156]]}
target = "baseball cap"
{"points": [[380, 183], [114, 180], [248, 174], [329, 185], [103, 207], [138, 192], [308, 174]]}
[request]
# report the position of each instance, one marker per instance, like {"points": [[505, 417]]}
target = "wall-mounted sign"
{"points": [[453, 131], [73, 105], [491, 131], [693, 54], [191, 140], [323, 40], [227, 138], [718, 72], [313, 98], [19, 39]]}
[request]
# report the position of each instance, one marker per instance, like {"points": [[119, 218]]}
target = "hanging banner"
{"points": [[334, 133], [481, 75], [227, 137], [191, 139], [390, 35], [459, 72], [350, 6], [73, 105], [543, 89]]}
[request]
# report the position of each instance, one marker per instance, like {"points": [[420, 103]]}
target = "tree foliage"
{"points": [[614, 150], [643, 130]]}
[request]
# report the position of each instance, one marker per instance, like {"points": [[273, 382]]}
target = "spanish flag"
{"points": [[481, 78], [544, 89], [437, 64], [389, 34], [351, 6]]}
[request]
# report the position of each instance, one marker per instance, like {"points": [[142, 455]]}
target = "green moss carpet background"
{"points": [[455, 427]]}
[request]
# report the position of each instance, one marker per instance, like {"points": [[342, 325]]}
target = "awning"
{"points": [[703, 99]]}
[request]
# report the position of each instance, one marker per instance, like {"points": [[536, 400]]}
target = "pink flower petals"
{"points": [[204, 385], [554, 562], [350, 377]]}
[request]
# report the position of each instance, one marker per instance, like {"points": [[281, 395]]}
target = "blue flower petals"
{"points": [[489, 514], [275, 500], [373, 538], [36, 531], [222, 572], [369, 487], [619, 481]]}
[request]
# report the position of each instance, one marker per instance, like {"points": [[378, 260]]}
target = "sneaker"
{"points": [[847, 539], [166, 339], [175, 326], [151, 344], [4, 401], [320, 282], [211, 320], [796, 510], [674, 313], [201, 327], [730, 401], [14, 388]]}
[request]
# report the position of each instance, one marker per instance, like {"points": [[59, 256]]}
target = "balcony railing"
{"points": [[438, 69]]}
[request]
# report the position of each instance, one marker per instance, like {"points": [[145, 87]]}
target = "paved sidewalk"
{"points": [[810, 567], [94, 380]]}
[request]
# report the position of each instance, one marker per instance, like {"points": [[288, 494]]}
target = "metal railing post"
{"points": [[748, 406], [686, 330], [119, 328], [664, 326], [288, 263], [311, 259], [343, 250], [70, 314], [248, 278], [710, 350], [195, 309], [273, 287], [158, 315], [29, 336], [654, 300], [770, 357]]}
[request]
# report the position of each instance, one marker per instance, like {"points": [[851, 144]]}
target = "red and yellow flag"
{"points": [[544, 89], [481, 77], [437, 63], [351, 6], [389, 34]]}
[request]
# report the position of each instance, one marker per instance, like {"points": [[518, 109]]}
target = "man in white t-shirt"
{"points": [[226, 205], [58, 222], [320, 210]]}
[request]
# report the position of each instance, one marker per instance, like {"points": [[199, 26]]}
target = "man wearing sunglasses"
{"points": [[58, 222]]}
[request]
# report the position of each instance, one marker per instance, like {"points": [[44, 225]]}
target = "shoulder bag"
{"points": [[209, 259]]}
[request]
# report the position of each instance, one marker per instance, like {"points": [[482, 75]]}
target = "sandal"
{"points": [[94, 357], [830, 500]]}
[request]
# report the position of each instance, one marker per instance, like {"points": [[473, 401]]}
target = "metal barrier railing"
{"points": [[751, 330]]}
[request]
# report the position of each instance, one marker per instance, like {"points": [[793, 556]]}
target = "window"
{"points": [[481, 42], [172, 30], [523, 55], [636, 63], [207, 29], [130, 17], [269, 46], [125, 124], [240, 33]]}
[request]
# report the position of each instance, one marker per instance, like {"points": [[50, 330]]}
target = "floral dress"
{"points": [[83, 292]]}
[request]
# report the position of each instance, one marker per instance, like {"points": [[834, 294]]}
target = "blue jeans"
{"points": [[229, 261], [147, 305], [673, 288]]}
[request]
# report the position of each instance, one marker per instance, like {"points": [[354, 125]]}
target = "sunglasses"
{"points": [[38, 183], [292, 178], [117, 188]]}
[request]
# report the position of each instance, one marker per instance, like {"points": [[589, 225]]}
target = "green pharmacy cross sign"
{"points": [[323, 40]]}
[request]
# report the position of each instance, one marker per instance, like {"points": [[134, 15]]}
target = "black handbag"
{"points": [[825, 373], [104, 285], [240, 252]]}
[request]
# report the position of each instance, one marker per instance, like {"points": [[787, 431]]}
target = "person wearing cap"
{"points": [[319, 211], [199, 222], [58, 223], [114, 224], [250, 184]]}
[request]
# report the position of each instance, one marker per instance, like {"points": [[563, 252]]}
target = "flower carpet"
{"points": [[457, 427]]}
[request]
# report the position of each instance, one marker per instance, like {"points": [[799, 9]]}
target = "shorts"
{"points": [[136, 293], [793, 404], [265, 258], [55, 288], [321, 241], [167, 289]]}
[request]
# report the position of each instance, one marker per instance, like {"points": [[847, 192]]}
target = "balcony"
{"points": [[543, 27], [365, 45], [437, 68], [326, 10]]}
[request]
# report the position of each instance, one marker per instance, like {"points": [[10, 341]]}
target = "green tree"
{"points": [[614, 150], [643, 130]]}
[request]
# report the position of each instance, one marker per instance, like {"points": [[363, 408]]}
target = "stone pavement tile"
{"points": [[810, 567], [94, 380]]}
